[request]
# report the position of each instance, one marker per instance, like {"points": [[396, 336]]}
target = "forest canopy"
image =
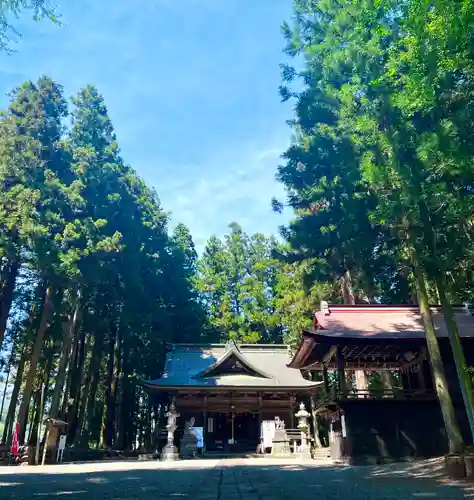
{"points": [[94, 282]]}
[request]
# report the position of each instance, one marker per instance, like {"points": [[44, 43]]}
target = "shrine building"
{"points": [[400, 418], [230, 390]]}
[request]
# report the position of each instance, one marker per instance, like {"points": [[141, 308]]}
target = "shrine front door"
{"points": [[232, 432]]}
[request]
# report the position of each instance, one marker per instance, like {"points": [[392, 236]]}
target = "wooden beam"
{"points": [[330, 354], [325, 379], [341, 370], [419, 359]]}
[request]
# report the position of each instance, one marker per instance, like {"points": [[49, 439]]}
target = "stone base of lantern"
{"points": [[169, 453], [305, 452]]}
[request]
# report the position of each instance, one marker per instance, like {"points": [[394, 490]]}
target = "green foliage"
{"points": [[382, 140], [236, 278], [40, 9], [74, 216], [380, 172], [250, 294]]}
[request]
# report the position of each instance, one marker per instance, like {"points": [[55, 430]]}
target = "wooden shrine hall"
{"points": [[230, 390], [398, 418]]}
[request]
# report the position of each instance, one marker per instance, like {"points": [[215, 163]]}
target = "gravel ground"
{"points": [[237, 479]]}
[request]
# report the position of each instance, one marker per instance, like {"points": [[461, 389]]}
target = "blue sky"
{"points": [[192, 89]]}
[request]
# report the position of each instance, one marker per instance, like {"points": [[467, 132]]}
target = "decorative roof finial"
{"points": [[324, 306]]}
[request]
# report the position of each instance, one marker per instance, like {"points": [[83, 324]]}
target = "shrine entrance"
{"points": [[232, 431]]}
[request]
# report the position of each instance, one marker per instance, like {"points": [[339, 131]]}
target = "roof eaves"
{"points": [[232, 352]]}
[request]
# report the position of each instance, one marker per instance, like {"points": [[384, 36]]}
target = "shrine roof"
{"points": [[231, 365], [389, 322], [391, 330]]}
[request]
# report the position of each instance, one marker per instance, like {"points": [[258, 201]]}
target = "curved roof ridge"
{"points": [[233, 351]]}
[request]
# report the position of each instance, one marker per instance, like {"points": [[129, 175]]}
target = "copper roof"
{"points": [[212, 366], [390, 322], [378, 332]]}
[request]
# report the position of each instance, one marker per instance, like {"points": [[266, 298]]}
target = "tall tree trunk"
{"points": [[455, 440], [106, 436], [117, 387], [437, 270], [458, 353], [87, 387], [38, 345], [35, 416], [41, 411], [76, 390], [6, 297], [69, 330], [8, 430], [347, 291], [76, 340], [91, 400], [10, 364]]}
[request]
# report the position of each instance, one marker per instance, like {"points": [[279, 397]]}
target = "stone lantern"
{"points": [[303, 426]]}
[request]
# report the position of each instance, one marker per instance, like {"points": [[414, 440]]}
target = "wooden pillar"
{"points": [[362, 383], [421, 377], [292, 416], [387, 379], [341, 371], [204, 431], [260, 419], [317, 441], [325, 379]]}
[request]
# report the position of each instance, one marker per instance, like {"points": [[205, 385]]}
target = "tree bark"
{"points": [[10, 362], [87, 388], [38, 345], [458, 353], [106, 435], [91, 400], [347, 291], [8, 430], [6, 297], [35, 416], [68, 335], [455, 440], [76, 390]]}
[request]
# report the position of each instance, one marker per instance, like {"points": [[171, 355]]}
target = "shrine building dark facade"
{"points": [[401, 418], [230, 389]]}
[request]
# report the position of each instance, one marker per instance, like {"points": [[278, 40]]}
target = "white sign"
{"points": [[61, 447], [343, 425], [267, 433], [210, 425], [62, 442], [199, 433]]}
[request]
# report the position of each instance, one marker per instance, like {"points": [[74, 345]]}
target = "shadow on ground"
{"points": [[225, 480]]}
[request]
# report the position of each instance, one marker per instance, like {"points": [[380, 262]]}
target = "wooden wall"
{"points": [[380, 431]]}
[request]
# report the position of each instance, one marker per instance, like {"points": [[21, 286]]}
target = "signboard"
{"points": [[61, 447], [343, 425], [210, 425], [267, 433], [14, 450], [199, 433]]}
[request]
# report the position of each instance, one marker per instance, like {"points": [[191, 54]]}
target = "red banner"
{"points": [[15, 441]]}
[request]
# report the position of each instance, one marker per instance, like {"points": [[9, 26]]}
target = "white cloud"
{"points": [[233, 185]]}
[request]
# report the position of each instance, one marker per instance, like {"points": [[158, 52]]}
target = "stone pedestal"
{"points": [[169, 453], [455, 466], [188, 445], [281, 444]]}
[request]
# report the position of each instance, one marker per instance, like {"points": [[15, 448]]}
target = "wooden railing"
{"points": [[335, 395]]}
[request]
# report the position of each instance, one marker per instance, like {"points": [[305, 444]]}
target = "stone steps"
{"points": [[321, 453]]}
